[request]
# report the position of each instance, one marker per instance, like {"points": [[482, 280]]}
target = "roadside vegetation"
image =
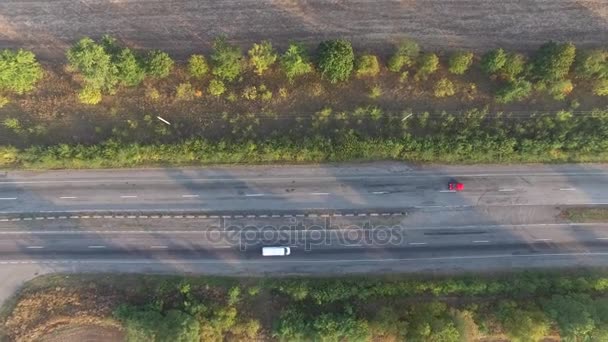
{"points": [[585, 214], [104, 107], [529, 306]]}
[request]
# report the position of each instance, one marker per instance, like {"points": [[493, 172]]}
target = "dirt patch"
{"points": [[84, 332], [184, 26]]}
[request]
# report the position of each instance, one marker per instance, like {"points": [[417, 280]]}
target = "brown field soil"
{"points": [[184, 26], [84, 332]]}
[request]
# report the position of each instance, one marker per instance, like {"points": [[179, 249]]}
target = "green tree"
{"points": [[388, 325], [216, 87], [94, 64], [460, 62], [405, 55], [262, 56], [197, 66], [523, 325], [147, 325], [89, 94], [514, 91], [560, 89], [159, 64], [552, 62], [444, 87], [513, 67], [295, 62], [493, 61], [19, 71], [592, 64], [429, 63], [226, 59], [129, 69], [432, 323], [336, 60], [600, 87], [575, 315], [292, 326], [367, 66], [337, 328]]}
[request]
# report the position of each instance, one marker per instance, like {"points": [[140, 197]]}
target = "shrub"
{"points": [[129, 69], [19, 71], [460, 62], [250, 93], [295, 62], [514, 91], [375, 92], [522, 325], [185, 91], [89, 95], [262, 56], [444, 87], [226, 60], [592, 64], [13, 124], [159, 64], [552, 62], [93, 63], [600, 87], [4, 101], [429, 63], [336, 60], [405, 55], [493, 61], [197, 66], [560, 89], [216, 87], [514, 65], [367, 66], [152, 93]]}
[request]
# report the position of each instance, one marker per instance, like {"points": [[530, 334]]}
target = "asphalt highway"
{"points": [[216, 220]]}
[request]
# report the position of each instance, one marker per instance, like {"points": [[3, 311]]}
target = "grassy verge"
{"points": [[585, 214], [525, 306]]}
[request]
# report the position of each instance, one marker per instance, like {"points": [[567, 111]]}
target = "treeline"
{"points": [[474, 136], [103, 66], [520, 307]]}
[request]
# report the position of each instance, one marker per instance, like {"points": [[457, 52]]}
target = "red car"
{"points": [[455, 186]]}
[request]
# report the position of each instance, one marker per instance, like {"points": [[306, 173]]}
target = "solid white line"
{"points": [[8, 198], [68, 197], [159, 247], [319, 193], [417, 243], [567, 189], [128, 196], [506, 190], [253, 195], [35, 247], [481, 241], [379, 192], [189, 196], [97, 247]]}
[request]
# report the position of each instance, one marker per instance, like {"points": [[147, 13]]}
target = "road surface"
{"points": [[367, 218], [185, 26]]}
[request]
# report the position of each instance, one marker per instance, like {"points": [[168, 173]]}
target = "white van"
{"points": [[276, 251]]}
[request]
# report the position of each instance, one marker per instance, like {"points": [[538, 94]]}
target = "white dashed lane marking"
{"points": [[417, 243], [506, 190], [128, 196], [379, 192], [68, 197], [567, 189], [481, 241], [8, 198], [541, 240], [159, 247], [254, 195], [189, 196], [319, 193], [35, 247], [97, 247]]}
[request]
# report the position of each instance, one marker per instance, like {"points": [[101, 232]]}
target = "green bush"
{"points": [[216, 87], [493, 61], [295, 62], [336, 60], [89, 95], [197, 66], [513, 67], [514, 91], [19, 71], [226, 59], [4, 101], [406, 54], [576, 316], [159, 64], [262, 56], [185, 91], [460, 62], [592, 64], [367, 66], [444, 87], [130, 71], [600, 87], [94, 64], [375, 91], [149, 325], [560, 89], [429, 63], [552, 62]]}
